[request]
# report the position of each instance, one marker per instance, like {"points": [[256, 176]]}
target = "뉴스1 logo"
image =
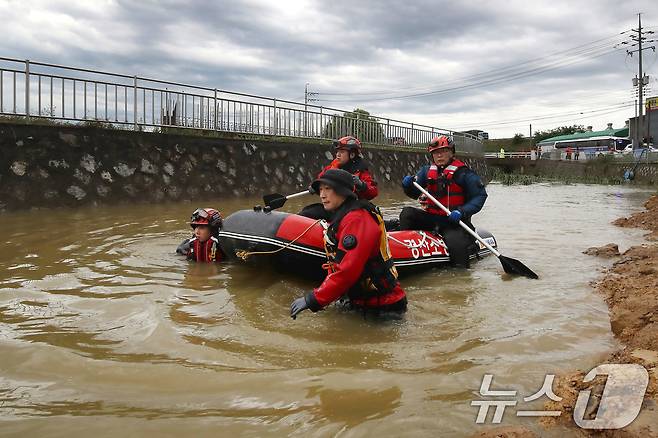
{"points": [[620, 402]]}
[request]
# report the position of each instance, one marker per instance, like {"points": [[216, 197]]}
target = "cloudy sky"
{"points": [[493, 65]]}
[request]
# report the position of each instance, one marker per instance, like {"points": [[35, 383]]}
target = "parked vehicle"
{"points": [[639, 151]]}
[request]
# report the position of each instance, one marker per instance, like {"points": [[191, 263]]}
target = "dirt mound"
{"points": [[630, 288], [647, 220], [608, 251], [506, 432], [631, 291]]}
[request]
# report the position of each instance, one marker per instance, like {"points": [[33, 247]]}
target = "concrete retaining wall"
{"points": [[54, 166]]}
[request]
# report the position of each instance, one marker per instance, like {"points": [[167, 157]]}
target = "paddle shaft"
{"points": [[462, 224], [295, 195]]}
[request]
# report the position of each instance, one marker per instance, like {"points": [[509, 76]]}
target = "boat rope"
{"points": [[242, 254]]}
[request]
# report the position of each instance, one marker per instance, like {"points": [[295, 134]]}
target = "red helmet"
{"points": [[349, 143], [206, 216], [441, 142]]}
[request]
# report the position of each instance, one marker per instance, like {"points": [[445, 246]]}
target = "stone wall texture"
{"points": [[67, 166]]}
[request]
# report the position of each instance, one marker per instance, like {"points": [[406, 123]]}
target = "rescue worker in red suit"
{"points": [[454, 185], [203, 246], [350, 159], [359, 261]]}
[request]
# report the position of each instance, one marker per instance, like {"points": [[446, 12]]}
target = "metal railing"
{"points": [[640, 155], [509, 155], [78, 95]]}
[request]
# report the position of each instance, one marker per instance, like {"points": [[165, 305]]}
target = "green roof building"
{"points": [[587, 135]]}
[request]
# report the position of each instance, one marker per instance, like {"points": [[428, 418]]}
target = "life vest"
{"points": [[355, 166], [443, 188], [379, 276], [205, 252]]}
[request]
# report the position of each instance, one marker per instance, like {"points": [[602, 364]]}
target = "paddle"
{"points": [[510, 265], [276, 200]]}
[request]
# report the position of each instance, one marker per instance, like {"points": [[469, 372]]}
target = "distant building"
{"points": [[479, 134], [398, 141], [649, 125], [608, 140]]}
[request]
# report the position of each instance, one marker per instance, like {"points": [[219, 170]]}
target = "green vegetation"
{"points": [[602, 170], [45, 121], [358, 123], [22, 120], [375, 142], [185, 132], [522, 144], [97, 124], [518, 138], [509, 179], [562, 130]]}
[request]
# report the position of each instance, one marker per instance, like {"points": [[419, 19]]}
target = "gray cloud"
{"points": [[386, 48]]}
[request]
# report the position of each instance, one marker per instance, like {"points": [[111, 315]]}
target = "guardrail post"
{"points": [[27, 89], [215, 110], [135, 103], [276, 125]]}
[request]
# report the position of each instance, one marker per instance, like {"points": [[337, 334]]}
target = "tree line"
{"points": [[548, 133]]}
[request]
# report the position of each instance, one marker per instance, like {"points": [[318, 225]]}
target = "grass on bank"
{"points": [[509, 179], [202, 133]]}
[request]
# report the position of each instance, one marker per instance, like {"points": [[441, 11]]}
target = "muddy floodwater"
{"points": [[105, 332]]}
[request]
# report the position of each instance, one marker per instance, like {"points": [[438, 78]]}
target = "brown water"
{"points": [[104, 331]]}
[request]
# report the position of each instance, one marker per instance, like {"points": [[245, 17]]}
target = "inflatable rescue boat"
{"points": [[294, 243]]}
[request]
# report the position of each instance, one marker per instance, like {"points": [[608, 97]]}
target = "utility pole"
{"points": [[641, 79], [648, 125], [305, 96], [531, 146], [640, 107], [637, 125], [308, 97], [306, 109]]}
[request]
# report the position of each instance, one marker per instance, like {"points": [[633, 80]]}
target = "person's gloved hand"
{"points": [[407, 181], [455, 216], [297, 306], [359, 184], [184, 247]]}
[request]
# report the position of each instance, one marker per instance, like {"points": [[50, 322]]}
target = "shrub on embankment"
{"points": [[604, 170]]}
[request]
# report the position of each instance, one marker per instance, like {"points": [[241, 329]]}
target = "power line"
{"points": [[599, 111], [581, 49], [560, 114], [576, 56], [493, 81], [575, 120], [571, 119]]}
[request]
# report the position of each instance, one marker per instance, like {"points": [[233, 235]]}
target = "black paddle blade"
{"points": [[274, 200], [513, 266]]}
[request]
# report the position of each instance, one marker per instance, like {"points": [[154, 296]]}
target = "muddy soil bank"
{"points": [[630, 288]]}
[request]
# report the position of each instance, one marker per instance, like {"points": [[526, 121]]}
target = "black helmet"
{"points": [[338, 179]]}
